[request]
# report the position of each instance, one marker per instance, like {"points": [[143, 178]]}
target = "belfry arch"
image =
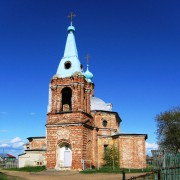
{"points": [[66, 95]]}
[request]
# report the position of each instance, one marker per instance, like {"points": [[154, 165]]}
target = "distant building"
{"points": [[79, 125], [35, 152], [6, 157], [149, 160]]}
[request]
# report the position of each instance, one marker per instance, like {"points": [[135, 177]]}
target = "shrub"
{"points": [[111, 157]]}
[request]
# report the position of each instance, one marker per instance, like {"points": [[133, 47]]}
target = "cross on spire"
{"points": [[87, 57], [71, 16]]}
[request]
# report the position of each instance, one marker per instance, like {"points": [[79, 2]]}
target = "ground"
{"points": [[66, 175]]}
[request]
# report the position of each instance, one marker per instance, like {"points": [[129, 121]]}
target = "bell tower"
{"points": [[69, 126]]}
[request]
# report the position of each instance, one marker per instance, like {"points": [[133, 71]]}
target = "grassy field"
{"points": [[116, 170], [87, 171], [28, 169], [6, 177]]}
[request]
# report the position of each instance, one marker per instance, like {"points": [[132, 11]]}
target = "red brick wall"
{"points": [[69, 126], [73, 135], [132, 151], [78, 137], [83, 130], [70, 117], [112, 123], [37, 143], [81, 91]]}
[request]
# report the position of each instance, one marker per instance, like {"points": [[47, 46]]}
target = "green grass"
{"points": [[29, 169], [116, 170], [3, 176], [7, 177]]}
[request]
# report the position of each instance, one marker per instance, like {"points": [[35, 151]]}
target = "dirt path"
{"points": [[70, 175]]}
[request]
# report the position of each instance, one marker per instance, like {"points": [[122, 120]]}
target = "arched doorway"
{"points": [[64, 156]]}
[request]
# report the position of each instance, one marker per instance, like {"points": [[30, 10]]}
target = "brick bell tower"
{"points": [[70, 127]]}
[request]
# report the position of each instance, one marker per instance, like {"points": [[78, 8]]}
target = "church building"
{"points": [[80, 126]]}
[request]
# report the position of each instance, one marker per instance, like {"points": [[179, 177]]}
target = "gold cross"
{"points": [[87, 57], [71, 15]]}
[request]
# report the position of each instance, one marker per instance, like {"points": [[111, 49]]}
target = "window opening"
{"points": [[105, 148], [104, 123], [66, 99], [67, 65]]}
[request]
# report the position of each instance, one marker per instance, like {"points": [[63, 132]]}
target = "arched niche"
{"points": [[66, 94]]}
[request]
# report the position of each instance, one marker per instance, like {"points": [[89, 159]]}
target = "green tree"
{"points": [[168, 130], [111, 156]]}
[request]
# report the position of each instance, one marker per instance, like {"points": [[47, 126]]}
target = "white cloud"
{"points": [[17, 145], [151, 146], [4, 145], [16, 140], [13, 146]]}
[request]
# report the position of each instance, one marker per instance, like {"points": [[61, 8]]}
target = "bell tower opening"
{"points": [[66, 99]]}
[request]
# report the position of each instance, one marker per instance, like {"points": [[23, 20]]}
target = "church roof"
{"points": [[37, 137], [99, 104], [130, 134], [70, 63]]}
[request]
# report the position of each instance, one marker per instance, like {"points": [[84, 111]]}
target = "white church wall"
{"points": [[32, 159]]}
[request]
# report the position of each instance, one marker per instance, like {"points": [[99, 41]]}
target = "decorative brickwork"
{"points": [[70, 122]]}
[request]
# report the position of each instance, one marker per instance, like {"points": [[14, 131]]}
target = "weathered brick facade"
{"points": [[83, 130], [72, 125], [131, 148], [37, 142]]}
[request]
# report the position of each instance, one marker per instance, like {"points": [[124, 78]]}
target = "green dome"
{"points": [[88, 74]]}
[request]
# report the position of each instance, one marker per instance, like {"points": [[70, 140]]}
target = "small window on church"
{"points": [[67, 64], [104, 123], [66, 147], [105, 148]]}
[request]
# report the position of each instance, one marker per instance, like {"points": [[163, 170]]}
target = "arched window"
{"points": [[66, 99], [104, 123]]}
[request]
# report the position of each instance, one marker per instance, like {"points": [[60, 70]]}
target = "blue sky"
{"points": [[135, 59]]}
